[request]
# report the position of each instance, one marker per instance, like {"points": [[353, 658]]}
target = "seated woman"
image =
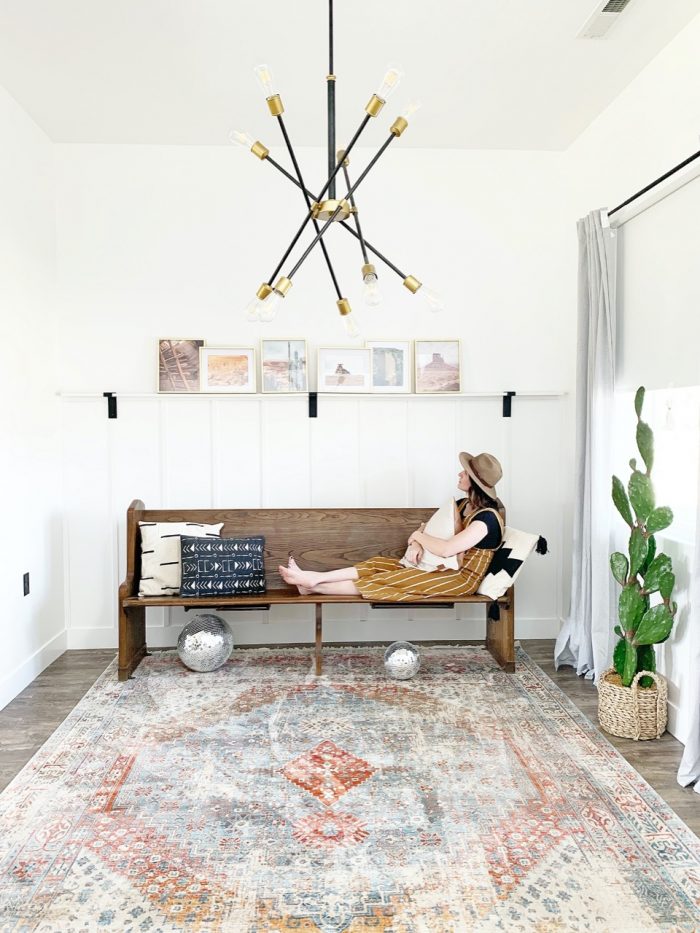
{"points": [[385, 578]]}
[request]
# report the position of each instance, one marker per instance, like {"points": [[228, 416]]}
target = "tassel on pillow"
{"points": [[542, 547], [494, 612]]}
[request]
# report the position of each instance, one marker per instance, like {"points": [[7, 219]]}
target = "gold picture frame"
{"points": [[438, 366], [178, 364], [284, 365]]}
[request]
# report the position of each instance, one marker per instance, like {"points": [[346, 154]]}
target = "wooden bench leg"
{"points": [[500, 635], [319, 638], [132, 639]]}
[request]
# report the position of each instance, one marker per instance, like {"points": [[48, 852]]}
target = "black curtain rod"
{"points": [[657, 181]]}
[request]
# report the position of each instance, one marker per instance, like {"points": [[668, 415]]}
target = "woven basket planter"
{"points": [[632, 712]]}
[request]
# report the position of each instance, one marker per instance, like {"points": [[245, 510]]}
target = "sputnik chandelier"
{"points": [[324, 210]]}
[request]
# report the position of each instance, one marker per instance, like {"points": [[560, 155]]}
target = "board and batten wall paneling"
{"points": [[258, 451], [90, 526]]}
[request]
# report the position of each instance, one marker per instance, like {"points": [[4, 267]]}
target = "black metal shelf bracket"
{"points": [[507, 398], [111, 404], [313, 404]]}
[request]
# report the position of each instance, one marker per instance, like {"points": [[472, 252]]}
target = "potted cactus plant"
{"points": [[632, 696]]}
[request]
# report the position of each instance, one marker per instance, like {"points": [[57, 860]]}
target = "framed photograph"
{"points": [[344, 369], [227, 369], [391, 365], [437, 366], [178, 365], [283, 365]]}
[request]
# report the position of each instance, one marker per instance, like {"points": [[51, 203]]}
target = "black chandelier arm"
{"points": [[307, 198], [309, 216], [347, 153], [356, 216], [343, 223], [335, 213]]}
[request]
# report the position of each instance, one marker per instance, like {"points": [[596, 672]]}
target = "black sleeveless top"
{"points": [[493, 536]]}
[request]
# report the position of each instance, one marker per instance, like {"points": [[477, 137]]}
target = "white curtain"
{"points": [[689, 771], [586, 639]]}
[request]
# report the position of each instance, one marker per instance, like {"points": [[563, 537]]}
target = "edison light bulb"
{"points": [[370, 291], [252, 309], [390, 82], [242, 139], [269, 307], [432, 301], [350, 325], [264, 75], [411, 107]]}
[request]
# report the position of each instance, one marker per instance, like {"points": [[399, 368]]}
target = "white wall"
{"points": [[32, 627], [171, 242], [652, 126], [174, 241]]}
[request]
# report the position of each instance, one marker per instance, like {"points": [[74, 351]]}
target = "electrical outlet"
{"points": [[25, 584]]}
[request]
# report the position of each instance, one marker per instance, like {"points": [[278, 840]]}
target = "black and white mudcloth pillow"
{"points": [[223, 566], [508, 561], [160, 554]]}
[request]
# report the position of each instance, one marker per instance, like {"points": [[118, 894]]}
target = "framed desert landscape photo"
{"points": [[227, 369], [344, 369], [284, 365], [437, 366], [391, 365], [178, 365]]}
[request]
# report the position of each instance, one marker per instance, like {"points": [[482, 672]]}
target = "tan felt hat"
{"points": [[484, 469]]}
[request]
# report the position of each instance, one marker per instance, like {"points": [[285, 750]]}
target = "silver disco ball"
{"points": [[402, 660], [205, 643]]}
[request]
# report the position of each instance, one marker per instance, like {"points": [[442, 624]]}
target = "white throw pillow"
{"points": [[441, 524], [161, 570], [507, 562]]}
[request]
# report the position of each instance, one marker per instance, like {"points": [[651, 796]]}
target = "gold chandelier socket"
{"points": [[374, 106], [398, 126], [282, 285], [262, 152], [412, 284], [344, 307], [340, 157], [368, 269], [264, 291], [275, 105], [326, 209]]}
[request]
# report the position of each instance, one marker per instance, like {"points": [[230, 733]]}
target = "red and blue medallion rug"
{"points": [[261, 798]]}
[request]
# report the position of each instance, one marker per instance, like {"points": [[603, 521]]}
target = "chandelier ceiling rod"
{"points": [[264, 305], [330, 81]]}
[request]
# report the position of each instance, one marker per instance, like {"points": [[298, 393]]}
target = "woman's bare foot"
{"points": [[304, 580]]}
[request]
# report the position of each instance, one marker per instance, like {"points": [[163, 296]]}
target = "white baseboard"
{"points": [[15, 682]]}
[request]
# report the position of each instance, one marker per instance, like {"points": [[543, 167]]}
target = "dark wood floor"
{"points": [[30, 718]]}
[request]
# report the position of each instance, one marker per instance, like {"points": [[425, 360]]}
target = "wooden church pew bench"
{"points": [[320, 539]]}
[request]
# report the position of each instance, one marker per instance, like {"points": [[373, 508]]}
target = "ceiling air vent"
{"points": [[603, 18]]}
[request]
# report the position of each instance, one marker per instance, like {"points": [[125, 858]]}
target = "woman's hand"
{"points": [[414, 554], [413, 539]]}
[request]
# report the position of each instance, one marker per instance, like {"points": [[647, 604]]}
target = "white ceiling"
{"points": [[491, 74]]}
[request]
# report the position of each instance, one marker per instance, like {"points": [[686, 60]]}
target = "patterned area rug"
{"points": [[260, 798]]}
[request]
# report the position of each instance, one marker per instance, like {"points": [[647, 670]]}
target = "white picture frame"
{"points": [[438, 369], [344, 369], [392, 368], [284, 365], [229, 370]]}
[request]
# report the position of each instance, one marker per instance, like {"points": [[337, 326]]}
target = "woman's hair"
{"points": [[479, 500]]}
